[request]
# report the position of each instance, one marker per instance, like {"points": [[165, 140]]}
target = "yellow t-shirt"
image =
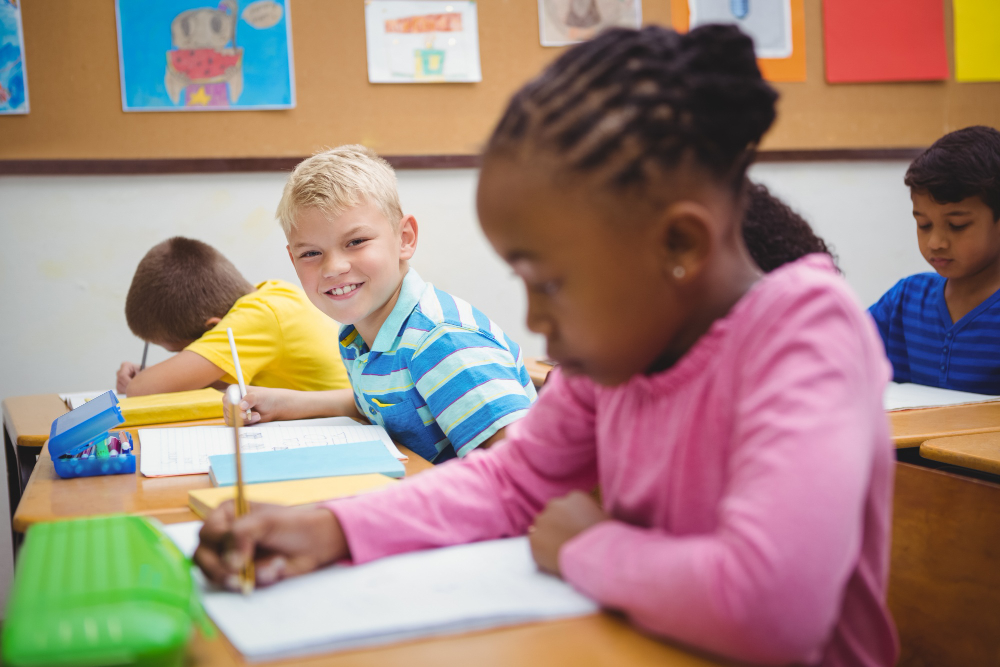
{"points": [[282, 339]]}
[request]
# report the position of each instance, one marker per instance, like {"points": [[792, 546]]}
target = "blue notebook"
{"points": [[358, 458]]}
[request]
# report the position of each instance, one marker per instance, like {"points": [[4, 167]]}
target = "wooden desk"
{"points": [[944, 582], [27, 421], [537, 370], [49, 498], [601, 639], [979, 452], [912, 427]]}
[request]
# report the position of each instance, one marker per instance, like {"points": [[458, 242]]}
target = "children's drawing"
{"points": [[422, 41], [562, 22], [769, 22], [193, 55], [13, 81]]}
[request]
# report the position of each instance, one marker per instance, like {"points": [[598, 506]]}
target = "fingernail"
{"points": [[234, 561], [270, 573], [243, 405], [232, 582]]}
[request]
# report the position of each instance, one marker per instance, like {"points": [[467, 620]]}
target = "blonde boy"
{"points": [[183, 297], [440, 376]]}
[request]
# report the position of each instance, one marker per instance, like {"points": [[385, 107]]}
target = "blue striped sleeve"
{"points": [[471, 383]]}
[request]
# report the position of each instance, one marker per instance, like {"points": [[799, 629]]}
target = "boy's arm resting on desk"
{"points": [[271, 404], [490, 494], [769, 583], [183, 371]]}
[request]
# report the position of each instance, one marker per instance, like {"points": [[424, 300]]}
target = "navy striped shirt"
{"points": [[926, 347], [440, 376]]}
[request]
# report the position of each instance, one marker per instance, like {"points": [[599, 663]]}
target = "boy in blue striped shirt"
{"points": [[439, 375], [943, 329]]}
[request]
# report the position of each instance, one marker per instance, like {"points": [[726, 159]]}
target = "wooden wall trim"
{"points": [[236, 165]]}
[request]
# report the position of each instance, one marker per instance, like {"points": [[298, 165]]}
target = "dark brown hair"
{"points": [[629, 104], [178, 285], [964, 163], [775, 234]]}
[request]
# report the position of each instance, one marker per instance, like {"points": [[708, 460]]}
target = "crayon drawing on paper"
{"points": [[13, 81], [421, 41], [205, 55], [562, 22]]}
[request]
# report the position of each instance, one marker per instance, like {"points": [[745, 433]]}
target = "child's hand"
{"points": [[126, 372], [285, 541], [562, 520], [265, 403]]}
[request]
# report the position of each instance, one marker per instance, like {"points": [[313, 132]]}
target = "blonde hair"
{"points": [[339, 179]]}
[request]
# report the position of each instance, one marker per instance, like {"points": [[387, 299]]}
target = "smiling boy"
{"points": [[943, 329], [440, 376]]}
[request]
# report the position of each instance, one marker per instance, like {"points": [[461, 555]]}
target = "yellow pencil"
{"points": [[247, 576]]}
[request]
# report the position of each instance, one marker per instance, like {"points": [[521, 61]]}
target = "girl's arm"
{"points": [[809, 482], [493, 494]]}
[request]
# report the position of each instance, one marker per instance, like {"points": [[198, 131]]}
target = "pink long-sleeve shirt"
{"points": [[750, 484]]}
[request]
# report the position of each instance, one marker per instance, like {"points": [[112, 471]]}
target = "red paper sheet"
{"points": [[884, 40]]}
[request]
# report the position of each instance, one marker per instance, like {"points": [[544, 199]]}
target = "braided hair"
{"points": [[775, 234], [630, 104]]}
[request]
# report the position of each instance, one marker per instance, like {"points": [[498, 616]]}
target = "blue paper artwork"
{"points": [[196, 55], [13, 81]]}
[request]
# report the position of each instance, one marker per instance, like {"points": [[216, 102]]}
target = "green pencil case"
{"points": [[107, 590]]}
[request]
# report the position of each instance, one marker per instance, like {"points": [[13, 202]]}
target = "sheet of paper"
{"points": [[562, 22], [165, 452], [186, 55], [421, 41], [977, 40], [909, 396], [13, 79], [769, 22], [889, 40], [420, 594], [77, 399]]}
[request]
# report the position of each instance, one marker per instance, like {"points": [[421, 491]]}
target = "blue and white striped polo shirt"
{"points": [[924, 345], [441, 377]]}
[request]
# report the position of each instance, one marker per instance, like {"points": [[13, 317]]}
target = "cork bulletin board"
{"points": [[76, 114]]}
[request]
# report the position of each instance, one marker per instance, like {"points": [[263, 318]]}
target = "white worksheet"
{"points": [[75, 400], [165, 452], [910, 396], [419, 594]]}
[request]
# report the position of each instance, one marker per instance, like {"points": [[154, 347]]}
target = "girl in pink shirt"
{"points": [[733, 422]]}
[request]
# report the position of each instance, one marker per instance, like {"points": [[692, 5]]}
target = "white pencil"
{"points": [[236, 363]]}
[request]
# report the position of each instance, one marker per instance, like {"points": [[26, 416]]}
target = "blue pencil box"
{"points": [[356, 458], [79, 441]]}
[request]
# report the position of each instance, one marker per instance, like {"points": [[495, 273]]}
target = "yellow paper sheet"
{"points": [[977, 40], [296, 492], [179, 406]]}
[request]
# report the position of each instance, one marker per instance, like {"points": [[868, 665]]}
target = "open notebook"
{"points": [[164, 452], [420, 594], [909, 396]]}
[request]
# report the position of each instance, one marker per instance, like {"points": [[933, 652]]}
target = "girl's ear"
{"points": [[684, 239], [407, 237]]}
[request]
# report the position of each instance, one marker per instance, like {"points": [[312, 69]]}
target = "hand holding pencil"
{"points": [[238, 369], [247, 578]]}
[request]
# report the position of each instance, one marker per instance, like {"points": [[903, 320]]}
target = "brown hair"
{"points": [[178, 285]]}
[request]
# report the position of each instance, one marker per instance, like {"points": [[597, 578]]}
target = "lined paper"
{"points": [[407, 596], [165, 452]]}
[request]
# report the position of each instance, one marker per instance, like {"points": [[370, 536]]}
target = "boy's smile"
{"points": [[351, 265]]}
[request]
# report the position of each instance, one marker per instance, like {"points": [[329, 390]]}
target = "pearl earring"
{"points": [[679, 272]]}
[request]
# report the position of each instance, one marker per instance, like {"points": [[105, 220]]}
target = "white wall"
{"points": [[69, 246]]}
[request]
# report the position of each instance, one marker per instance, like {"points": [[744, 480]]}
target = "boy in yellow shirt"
{"points": [[184, 296]]}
